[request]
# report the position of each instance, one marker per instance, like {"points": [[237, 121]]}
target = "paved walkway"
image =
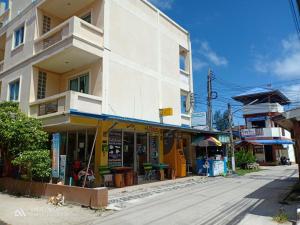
{"points": [[252, 199]]}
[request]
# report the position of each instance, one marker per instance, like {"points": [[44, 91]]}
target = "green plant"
{"points": [[244, 157], [24, 140], [37, 163], [281, 217]]}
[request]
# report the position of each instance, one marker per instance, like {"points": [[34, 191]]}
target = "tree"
{"points": [[221, 120], [24, 140]]}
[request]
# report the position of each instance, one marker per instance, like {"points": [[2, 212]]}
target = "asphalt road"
{"points": [[252, 199], [247, 200]]}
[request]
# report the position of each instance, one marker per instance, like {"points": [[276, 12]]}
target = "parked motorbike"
{"points": [[89, 179], [285, 161]]}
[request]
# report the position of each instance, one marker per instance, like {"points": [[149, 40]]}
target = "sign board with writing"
{"points": [[248, 133], [199, 119], [55, 154], [115, 149], [166, 112]]}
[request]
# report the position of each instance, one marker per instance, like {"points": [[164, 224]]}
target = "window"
{"points": [[46, 24], [19, 36], [87, 17], [14, 88], [42, 85], [0, 89], [184, 103], [183, 59], [80, 84]]}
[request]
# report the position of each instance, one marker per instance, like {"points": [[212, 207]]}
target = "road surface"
{"points": [[251, 199]]}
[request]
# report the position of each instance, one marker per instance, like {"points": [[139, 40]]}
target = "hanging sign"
{"points": [[166, 112], [115, 149], [55, 154]]}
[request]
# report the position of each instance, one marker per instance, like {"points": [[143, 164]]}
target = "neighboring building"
{"points": [[267, 141], [290, 120], [78, 65]]}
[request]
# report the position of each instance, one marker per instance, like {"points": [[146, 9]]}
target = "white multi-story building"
{"points": [[269, 141], [119, 65]]}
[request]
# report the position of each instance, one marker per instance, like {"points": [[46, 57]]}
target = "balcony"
{"points": [[263, 108], [71, 44], [275, 132], [61, 104]]}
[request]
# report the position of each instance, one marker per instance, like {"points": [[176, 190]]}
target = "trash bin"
{"points": [[119, 180], [129, 178]]}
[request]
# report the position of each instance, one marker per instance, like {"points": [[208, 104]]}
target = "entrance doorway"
{"points": [[141, 151], [128, 149], [269, 153]]}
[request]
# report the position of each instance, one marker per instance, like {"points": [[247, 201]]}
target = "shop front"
{"points": [[211, 157]]}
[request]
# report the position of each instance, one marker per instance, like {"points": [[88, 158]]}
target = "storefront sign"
{"points": [[62, 168], [55, 154], [224, 139], [248, 132], [166, 112], [115, 149]]}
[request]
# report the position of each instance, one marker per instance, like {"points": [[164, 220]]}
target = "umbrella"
{"points": [[203, 141]]}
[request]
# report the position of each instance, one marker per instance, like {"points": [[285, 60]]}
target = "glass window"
{"points": [[14, 88], [80, 84], [87, 17], [182, 62], [183, 59], [183, 103], [46, 24], [42, 85], [19, 36]]}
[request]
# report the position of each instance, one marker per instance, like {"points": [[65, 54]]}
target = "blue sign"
{"points": [[56, 138]]}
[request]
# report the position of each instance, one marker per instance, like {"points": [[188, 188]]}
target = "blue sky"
{"points": [[247, 43]]}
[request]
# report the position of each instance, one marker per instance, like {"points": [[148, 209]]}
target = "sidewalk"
{"points": [[120, 195]]}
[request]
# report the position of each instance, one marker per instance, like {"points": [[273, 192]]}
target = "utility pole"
{"points": [[231, 137], [209, 100]]}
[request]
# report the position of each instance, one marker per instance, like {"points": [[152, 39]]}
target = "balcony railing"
{"points": [[71, 27], [262, 108], [264, 132], [64, 102]]}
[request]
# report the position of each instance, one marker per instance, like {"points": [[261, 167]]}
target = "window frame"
{"points": [[183, 110], [14, 36], [184, 54], [43, 20], [77, 76], [9, 90], [40, 72]]}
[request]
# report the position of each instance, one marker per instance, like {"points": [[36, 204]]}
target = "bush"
{"points": [[243, 158], [36, 163], [25, 141]]}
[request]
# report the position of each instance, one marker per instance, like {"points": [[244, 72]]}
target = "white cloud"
{"points": [[206, 51], [292, 92], [198, 64], [163, 4], [287, 65]]}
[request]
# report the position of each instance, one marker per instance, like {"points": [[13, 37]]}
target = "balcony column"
{"points": [[101, 155]]}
